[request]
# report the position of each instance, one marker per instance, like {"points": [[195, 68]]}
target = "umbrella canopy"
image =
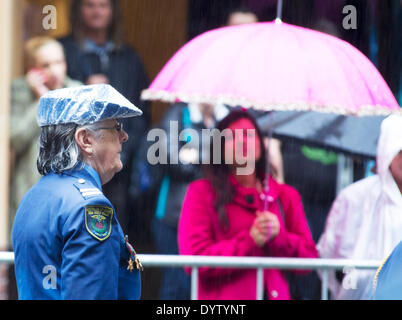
{"points": [[346, 134], [274, 66]]}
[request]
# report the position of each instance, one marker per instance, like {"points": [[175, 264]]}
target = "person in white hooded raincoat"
{"points": [[365, 220]]}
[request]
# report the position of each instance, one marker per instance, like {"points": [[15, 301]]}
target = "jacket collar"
{"points": [[250, 197], [220, 111], [86, 172], [91, 47]]}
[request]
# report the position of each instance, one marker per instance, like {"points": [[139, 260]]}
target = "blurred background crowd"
{"points": [[126, 43]]}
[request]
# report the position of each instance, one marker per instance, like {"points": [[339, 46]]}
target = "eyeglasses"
{"points": [[118, 127]]}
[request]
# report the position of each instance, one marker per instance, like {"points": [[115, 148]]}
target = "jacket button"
{"points": [[274, 294], [81, 181]]}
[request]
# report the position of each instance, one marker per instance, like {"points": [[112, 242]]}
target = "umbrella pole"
{"points": [[279, 11], [265, 195], [267, 173]]}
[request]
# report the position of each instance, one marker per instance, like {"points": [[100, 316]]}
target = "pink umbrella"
{"points": [[274, 66]]}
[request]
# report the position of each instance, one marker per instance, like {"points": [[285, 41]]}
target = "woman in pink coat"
{"points": [[223, 215]]}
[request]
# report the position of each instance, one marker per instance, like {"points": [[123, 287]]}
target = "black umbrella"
{"points": [[351, 135]]}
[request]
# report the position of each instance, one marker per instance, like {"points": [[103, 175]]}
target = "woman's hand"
{"points": [[36, 79], [266, 227]]}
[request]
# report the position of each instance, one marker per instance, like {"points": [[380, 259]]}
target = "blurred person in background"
{"points": [[96, 53], [175, 176], [46, 70], [365, 220], [223, 215], [241, 15]]}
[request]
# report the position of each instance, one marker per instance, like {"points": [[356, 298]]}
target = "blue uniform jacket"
{"points": [[388, 280], [68, 243]]}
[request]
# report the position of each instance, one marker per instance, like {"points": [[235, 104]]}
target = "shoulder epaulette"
{"points": [[87, 190]]}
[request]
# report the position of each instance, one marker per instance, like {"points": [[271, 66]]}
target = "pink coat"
{"points": [[200, 233]]}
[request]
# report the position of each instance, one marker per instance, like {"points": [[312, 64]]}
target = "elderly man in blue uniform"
{"points": [[67, 241]]}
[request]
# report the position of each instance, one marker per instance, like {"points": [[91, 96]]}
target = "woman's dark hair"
{"points": [[116, 33], [217, 174], [58, 150]]}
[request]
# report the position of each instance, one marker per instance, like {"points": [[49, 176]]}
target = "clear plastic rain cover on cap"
{"points": [[83, 105]]}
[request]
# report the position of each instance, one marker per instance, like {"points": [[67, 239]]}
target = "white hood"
{"points": [[389, 145]]}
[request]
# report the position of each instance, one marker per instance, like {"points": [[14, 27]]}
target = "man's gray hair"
{"points": [[58, 150]]}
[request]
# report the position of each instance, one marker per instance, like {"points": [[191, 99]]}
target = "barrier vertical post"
{"points": [[260, 284], [324, 284], [194, 283]]}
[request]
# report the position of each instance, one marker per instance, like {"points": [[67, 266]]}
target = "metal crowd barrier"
{"points": [[258, 263]]}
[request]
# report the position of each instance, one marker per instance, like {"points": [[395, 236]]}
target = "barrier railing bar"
{"points": [[259, 263], [151, 260], [6, 257]]}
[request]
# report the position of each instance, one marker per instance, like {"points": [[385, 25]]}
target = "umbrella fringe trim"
{"points": [[365, 110]]}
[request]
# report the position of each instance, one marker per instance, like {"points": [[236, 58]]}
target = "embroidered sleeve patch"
{"points": [[98, 221]]}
